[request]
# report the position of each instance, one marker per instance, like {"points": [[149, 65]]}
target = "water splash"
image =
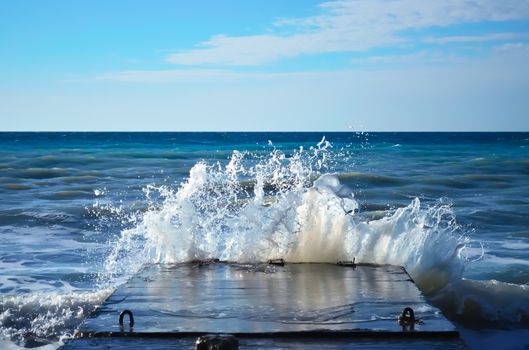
{"points": [[284, 206], [258, 208], [34, 319], [220, 211]]}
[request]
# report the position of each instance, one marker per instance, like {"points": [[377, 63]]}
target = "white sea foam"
{"points": [[288, 215], [37, 316], [9, 345]]}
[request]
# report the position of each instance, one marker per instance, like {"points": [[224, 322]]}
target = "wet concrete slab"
{"points": [[267, 303]]}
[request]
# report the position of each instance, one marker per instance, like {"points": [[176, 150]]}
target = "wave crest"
{"points": [[41, 318], [280, 206], [215, 214]]}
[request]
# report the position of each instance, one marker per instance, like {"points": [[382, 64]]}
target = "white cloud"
{"points": [[160, 76], [474, 38], [419, 57], [514, 55], [187, 75], [348, 26], [249, 50], [514, 48]]}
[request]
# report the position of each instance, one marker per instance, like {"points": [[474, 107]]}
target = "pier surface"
{"points": [[268, 306]]}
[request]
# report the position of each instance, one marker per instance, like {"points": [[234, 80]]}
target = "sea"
{"points": [[81, 212]]}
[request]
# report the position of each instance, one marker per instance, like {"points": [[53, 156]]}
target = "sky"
{"points": [[264, 65]]}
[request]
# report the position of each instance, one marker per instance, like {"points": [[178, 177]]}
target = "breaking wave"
{"points": [[286, 207], [260, 207], [44, 318]]}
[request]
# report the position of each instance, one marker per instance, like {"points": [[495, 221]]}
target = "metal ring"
{"points": [[407, 317], [122, 315]]}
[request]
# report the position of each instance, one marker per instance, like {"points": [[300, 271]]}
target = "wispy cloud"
{"points": [[514, 47], [350, 26], [161, 76], [512, 52], [475, 38], [415, 58], [188, 75]]}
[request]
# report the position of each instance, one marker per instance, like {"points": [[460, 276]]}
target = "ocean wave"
{"points": [[59, 158], [17, 186], [41, 173], [38, 319], [306, 222], [69, 194], [311, 217], [479, 304], [372, 179], [35, 218]]}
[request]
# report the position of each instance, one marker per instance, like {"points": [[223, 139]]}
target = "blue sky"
{"points": [[386, 65]]}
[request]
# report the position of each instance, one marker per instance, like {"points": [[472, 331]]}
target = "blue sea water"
{"points": [[80, 212]]}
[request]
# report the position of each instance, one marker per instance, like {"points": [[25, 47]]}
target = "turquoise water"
{"points": [[80, 212]]}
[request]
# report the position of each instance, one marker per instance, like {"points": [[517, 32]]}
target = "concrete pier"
{"points": [[269, 306]]}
